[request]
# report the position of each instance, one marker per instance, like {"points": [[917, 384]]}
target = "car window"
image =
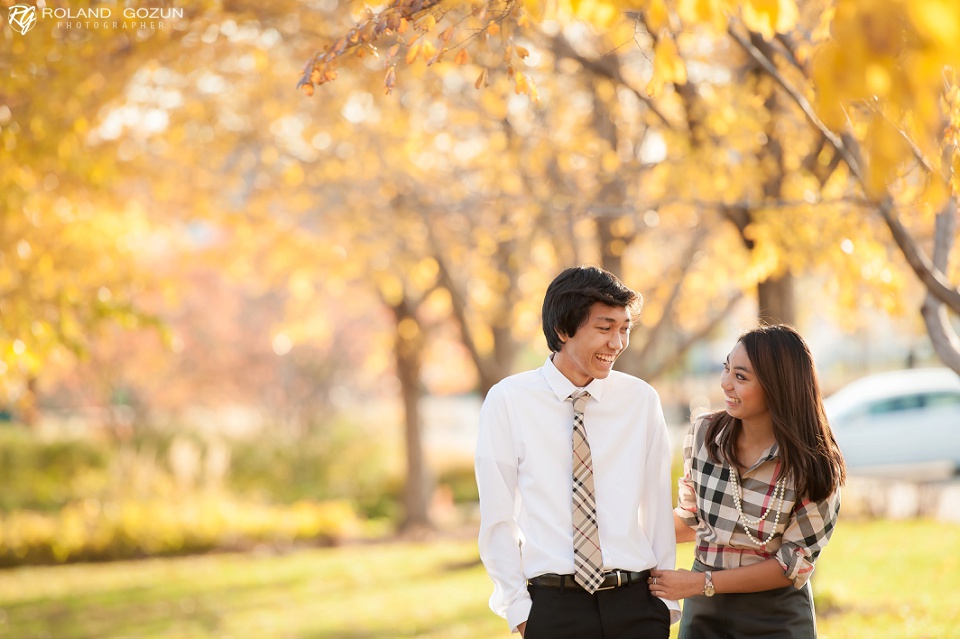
{"points": [[942, 399], [897, 404]]}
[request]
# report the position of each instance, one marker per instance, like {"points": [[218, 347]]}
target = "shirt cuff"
{"points": [[674, 608], [519, 612], [796, 566], [687, 517]]}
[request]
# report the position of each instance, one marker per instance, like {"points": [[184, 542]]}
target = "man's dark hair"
{"points": [[567, 303]]}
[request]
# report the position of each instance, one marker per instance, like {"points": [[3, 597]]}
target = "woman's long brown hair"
{"points": [[784, 367]]}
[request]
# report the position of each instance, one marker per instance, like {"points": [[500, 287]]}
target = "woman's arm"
{"points": [[684, 532], [679, 584]]}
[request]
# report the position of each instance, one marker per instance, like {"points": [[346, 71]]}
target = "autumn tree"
{"points": [[68, 247], [866, 86]]}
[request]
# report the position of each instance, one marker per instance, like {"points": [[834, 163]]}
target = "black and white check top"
{"points": [[706, 504]]}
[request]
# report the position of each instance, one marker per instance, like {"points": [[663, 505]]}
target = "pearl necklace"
{"points": [[779, 492]]}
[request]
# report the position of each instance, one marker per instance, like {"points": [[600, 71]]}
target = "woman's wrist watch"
{"points": [[708, 588]]}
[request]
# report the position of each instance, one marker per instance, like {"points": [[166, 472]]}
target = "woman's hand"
{"points": [[676, 584]]}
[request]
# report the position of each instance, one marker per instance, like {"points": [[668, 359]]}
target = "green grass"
{"points": [[876, 579]]}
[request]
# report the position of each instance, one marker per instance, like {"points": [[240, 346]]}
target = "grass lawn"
{"points": [[876, 580]]}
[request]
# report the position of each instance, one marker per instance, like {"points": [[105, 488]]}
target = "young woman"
{"points": [[760, 496]]}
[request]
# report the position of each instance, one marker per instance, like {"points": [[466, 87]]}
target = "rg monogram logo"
{"points": [[22, 18]]}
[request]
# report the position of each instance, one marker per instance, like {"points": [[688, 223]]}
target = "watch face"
{"points": [[708, 590]]}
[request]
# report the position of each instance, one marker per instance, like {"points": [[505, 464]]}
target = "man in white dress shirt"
{"points": [[524, 472]]}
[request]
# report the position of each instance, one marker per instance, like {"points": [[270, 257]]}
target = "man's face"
{"points": [[590, 353]]}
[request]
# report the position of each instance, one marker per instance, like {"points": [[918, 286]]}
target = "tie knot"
{"points": [[579, 398]]}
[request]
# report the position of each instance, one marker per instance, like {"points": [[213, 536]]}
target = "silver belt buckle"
{"points": [[619, 582]]}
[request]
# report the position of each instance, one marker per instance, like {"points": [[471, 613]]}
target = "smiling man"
{"points": [[573, 467]]}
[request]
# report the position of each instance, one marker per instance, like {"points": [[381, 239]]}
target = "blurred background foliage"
{"points": [[236, 316]]}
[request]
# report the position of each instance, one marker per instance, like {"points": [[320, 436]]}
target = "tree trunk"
{"points": [[408, 352], [29, 413], [776, 300]]}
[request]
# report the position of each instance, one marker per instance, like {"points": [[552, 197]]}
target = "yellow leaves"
{"points": [[424, 272], [390, 287], [955, 165], [610, 162], [891, 56], [668, 66], [878, 80], [429, 51], [408, 329], [769, 17], [427, 23], [886, 148], [657, 16], [462, 57], [712, 12], [938, 22], [523, 84], [317, 76], [534, 10], [600, 13], [494, 105], [390, 81], [293, 175], [425, 49], [520, 83], [412, 52]]}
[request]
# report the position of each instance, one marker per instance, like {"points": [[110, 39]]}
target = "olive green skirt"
{"points": [[784, 613]]}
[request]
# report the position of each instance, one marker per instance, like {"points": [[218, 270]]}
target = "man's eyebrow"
{"points": [[612, 320]]}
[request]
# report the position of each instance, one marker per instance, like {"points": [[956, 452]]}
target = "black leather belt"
{"points": [[612, 579]]}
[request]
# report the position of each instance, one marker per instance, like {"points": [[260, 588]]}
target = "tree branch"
{"points": [[943, 336], [933, 278], [607, 67]]}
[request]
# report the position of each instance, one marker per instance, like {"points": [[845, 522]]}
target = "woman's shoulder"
{"points": [[701, 422], [702, 428]]}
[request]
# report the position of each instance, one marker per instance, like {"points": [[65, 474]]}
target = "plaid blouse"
{"points": [[706, 504]]}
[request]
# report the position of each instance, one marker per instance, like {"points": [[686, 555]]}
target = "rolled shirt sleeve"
{"points": [[686, 508], [806, 534]]}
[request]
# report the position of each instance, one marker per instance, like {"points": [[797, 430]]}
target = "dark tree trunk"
{"points": [[776, 300], [408, 352]]}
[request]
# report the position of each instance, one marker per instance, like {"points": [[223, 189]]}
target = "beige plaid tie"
{"points": [[587, 559]]}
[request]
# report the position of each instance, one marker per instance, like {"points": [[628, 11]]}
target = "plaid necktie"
{"points": [[587, 559]]}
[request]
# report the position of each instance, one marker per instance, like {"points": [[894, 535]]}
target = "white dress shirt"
{"points": [[524, 464]]}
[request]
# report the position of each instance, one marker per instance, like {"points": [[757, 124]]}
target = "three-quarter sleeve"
{"points": [[807, 533], [686, 508]]}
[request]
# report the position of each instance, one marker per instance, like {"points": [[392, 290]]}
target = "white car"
{"points": [[901, 424]]}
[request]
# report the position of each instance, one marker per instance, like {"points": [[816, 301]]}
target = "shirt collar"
{"points": [[769, 454], [562, 387]]}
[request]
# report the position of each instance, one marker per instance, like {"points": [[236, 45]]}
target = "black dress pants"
{"points": [[628, 612]]}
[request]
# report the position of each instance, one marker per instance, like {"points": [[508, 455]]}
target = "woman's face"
{"points": [[745, 398]]}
